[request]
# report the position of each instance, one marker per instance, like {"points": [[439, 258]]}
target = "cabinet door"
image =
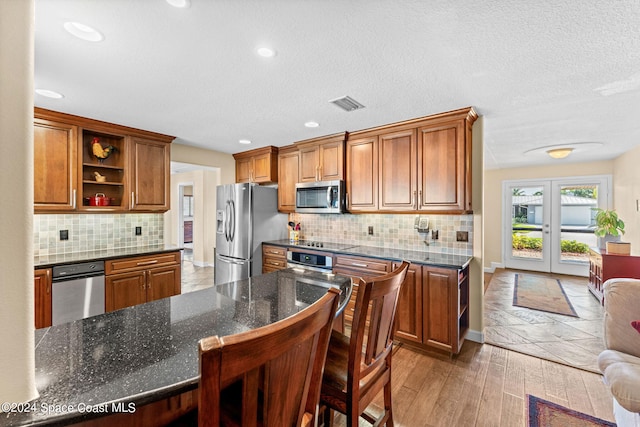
{"points": [[331, 161], [262, 168], [442, 167], [163, 282], [151, 173], [362, 179], [309, 164], [244, 167], [288, 173], [55, 166], [409, 311], [125, 290], [398, 176], [439, 307], [42, 297]]}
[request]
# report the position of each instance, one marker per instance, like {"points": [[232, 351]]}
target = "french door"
{"points": [[547, 224]]}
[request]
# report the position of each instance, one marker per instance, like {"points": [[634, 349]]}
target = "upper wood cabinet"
{"points": [[418, 165], [134, 176], [322, 159], [259, 165], [54, 155], [288, 177], [150, 175]]}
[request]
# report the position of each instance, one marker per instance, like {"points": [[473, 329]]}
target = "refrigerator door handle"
{"points": [[233, 260], [227, 219], [232, 221]]}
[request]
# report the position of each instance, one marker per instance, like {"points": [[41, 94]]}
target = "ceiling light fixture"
{"points": [[266, 52], [312, 124], [559, 153], [83, 31], [182, 4], [49, 93], [244, 141], [347, 103]]}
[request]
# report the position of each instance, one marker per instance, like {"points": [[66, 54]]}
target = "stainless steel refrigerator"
{"points": [[246, 216]]}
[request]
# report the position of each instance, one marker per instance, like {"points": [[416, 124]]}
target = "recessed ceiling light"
{"points": [[49, 93], [244, 141], [266, 52], [83, 32], [312, 124], [182, 4]]}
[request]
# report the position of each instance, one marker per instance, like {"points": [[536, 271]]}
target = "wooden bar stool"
{"points": [[359, 366]]}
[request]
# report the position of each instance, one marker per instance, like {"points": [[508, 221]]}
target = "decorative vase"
{"points": [[602, 241]]}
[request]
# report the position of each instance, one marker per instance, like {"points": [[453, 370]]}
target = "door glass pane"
{"points": [[576, 218], [527, 219]]}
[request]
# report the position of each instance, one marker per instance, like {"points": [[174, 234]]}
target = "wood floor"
{"points": [[484, 385], [573, 341]]}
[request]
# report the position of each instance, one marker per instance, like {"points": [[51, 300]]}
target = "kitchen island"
{"points": [[119, 361]]}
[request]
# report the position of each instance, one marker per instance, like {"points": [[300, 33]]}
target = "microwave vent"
{"points": [[347, 103]]}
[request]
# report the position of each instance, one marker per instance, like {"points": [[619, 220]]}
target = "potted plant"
{"points": [[608, 228]]}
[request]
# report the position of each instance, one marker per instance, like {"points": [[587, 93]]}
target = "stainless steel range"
{"points": [[312, 255]]}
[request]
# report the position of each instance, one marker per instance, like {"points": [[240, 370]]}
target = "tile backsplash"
{"points": [[88, 232], [389, 230]]}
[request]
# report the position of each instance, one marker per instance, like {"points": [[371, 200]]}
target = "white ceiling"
{"points": [[540, 73]]}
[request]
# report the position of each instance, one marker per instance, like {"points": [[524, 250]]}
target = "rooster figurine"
{"points": [[101, 153]]}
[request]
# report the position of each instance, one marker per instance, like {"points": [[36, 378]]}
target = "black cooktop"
{"points": [[322, 245]]}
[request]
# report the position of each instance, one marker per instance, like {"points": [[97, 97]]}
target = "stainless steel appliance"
{"points": [[77, 291], [320, 197], [246, 216], [303, 255]]}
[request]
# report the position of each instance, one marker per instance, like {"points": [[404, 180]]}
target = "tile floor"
{"points": [[568, 340], [195, 278]]}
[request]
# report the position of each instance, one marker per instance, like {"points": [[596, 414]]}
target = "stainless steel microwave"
{"points": [[320, 197]]}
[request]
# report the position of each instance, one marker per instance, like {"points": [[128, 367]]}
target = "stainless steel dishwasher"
{"points": [[77, 291]]}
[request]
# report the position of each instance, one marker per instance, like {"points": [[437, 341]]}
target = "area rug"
{"points": [[541, 293], [542, 413]]}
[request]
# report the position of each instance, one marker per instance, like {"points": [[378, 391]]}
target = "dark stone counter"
{"points": [[435, 259], [46, 261], [149, 352]]}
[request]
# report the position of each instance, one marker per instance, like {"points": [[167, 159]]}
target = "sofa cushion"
{"points": [[622, 372], [636, 325]]}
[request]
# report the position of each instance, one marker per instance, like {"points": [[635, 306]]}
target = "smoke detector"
{"points": [[347, 103]]}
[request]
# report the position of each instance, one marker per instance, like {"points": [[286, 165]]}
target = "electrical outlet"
{"points": [[370, 230], [434, 234], [64, 234], [138, 231], [462, 236]]}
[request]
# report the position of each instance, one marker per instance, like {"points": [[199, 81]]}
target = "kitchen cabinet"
{"points": [[136, 280], [273, 258], [134, 176], [288, 177], [420, 165], [42, 297], [358, 267], [322, 159], [150, 175], [603, 266], [259, 165], [55, 157], [409, 311], [362, 173]]}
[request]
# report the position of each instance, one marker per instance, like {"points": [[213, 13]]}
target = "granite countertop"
{"points": [[148, 352], [419, 257], [46, 261]]}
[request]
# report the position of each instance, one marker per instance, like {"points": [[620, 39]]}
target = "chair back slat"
{"points": [[277, 365]]}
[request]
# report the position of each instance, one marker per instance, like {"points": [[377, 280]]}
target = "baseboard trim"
{"points": [[475, 336], [493, 267]]}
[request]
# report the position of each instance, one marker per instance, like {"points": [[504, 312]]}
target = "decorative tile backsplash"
{"points": [[392, 231], [88, 232]]}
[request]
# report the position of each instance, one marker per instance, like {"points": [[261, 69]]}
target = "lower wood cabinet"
{"points": [[273, 258], [603, 266], [132, 281], [42, 297]]}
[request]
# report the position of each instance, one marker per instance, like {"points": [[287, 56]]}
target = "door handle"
{"points": [[415, 197], [133, 200], [73, 199]]}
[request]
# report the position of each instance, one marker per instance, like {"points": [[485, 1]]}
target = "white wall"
{"points": [[17, 373], [626, 195]]}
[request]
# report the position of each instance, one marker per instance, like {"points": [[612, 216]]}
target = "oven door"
{"points": [[293, 264]]}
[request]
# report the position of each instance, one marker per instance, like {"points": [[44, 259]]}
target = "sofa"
{"points": [[620, 361]]}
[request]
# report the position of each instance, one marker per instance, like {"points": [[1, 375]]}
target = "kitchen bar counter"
{"points": [[46, 261], [435, 259], [149, 352]]}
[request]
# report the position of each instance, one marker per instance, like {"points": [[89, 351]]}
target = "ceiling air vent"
{"points": [[347, 103]]}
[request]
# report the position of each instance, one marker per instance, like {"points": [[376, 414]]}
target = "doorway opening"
{"points": [[548, 224]]}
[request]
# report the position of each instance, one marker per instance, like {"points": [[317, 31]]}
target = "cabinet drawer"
{"points": [[274, 251], [142, 262], [277, 263], [366, 265]]}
